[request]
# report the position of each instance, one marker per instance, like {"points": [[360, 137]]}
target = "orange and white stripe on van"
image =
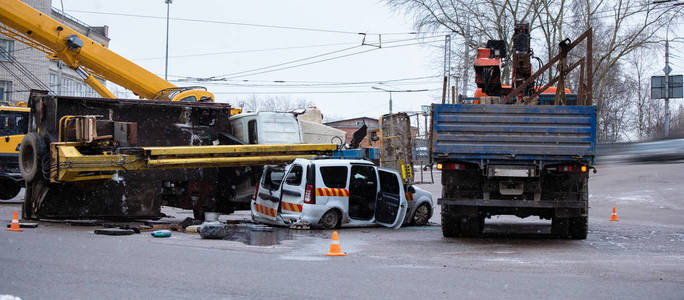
{"points": [[291, 206], [265, 210], [409, 196], [326, 192]]}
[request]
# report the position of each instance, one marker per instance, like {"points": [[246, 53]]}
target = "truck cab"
{"points": [[266, 128]]}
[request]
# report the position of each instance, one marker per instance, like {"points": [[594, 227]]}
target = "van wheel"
{"points": [[331, 219], [422, 215]]}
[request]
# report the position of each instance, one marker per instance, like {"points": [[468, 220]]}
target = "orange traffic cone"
{"points": [[15, 223], [335, 247], [614, 216]]}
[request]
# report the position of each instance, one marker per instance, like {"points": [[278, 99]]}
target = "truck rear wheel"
{"points": [[472, 226], [579, 226], [450, 223], [560, 227]]}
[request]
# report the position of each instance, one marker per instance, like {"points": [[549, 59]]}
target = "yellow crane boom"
{"points": [[38, 30]]}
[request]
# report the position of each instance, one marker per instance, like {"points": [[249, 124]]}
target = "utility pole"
{"points": [[447, 68], [466, 58], [395, 91], [166, 64], [667, 86]]}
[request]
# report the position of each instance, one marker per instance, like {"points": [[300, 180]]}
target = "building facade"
{"points": [[349, 126], [17, 59]]}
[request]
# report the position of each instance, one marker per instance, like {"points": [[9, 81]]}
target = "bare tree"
{"points": [[253, 103], [620, 28]]}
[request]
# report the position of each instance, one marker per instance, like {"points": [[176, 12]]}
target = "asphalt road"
{"points": [[641, 256]]}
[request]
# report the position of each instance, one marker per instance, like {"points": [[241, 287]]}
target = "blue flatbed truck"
{"points": [[522, 160]]}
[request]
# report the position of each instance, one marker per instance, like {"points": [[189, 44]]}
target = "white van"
{"points": [[330, 192]]}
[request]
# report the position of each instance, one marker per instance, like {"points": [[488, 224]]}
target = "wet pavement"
{"points": [[640, 256]]}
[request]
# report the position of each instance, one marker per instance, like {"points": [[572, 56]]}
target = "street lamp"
{"points": [[396, 91], [166, 64]]}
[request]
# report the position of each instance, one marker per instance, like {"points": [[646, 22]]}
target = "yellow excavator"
{"points": [[122, 158]]}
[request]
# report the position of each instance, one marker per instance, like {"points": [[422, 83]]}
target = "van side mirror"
{"points": [[410, 189]]}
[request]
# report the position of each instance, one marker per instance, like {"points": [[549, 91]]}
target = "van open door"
{"points": [[391, 204], [268, 193]]}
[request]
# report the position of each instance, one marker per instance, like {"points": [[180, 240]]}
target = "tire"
{"points": [[198, 214], [31, 152], [560, 227], [331, 219], [472, 226], [579, 226], [450, 223], [9, 188], [422, 215]]}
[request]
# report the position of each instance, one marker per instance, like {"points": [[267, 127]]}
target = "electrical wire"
{"points": [[311, 92], [247, 51], [245, 24], [270, 68]]}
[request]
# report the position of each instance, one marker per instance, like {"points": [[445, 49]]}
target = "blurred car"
{"points": [[664, 150], [336, 192]]}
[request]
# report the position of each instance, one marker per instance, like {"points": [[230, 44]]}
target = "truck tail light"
{"points": [[570, 168], [450, 166], [310, 195]]}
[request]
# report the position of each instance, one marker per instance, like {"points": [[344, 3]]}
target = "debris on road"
{"points": [[161, 233], [213, 230], [114, 231], [192, 229], [300, 226], [25, 225]]}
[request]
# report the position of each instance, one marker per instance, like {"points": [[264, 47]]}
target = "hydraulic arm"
{"points": [[38, 30]]}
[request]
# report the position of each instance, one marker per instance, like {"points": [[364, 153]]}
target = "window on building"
{"points": [[6, 48], [5, 90]]}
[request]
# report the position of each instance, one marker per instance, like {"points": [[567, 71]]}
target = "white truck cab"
{"points": [[266, 128], [331, 193]]}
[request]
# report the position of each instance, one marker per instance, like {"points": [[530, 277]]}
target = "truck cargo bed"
{"points": [[472, 132]]}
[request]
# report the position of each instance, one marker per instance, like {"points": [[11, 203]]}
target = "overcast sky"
{"points": [[193, 48], [308, 63]]}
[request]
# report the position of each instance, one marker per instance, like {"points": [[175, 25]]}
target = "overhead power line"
{"points": [[244, 24], [284, 65], [283, 84], [310, 92], [248, 51]]}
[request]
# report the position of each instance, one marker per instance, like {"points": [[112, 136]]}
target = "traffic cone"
{"points": [[335, 247], [15, 223], [614, 216]]}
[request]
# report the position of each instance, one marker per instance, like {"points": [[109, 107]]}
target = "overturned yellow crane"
{"points": [[71, 165], [121, 158]]}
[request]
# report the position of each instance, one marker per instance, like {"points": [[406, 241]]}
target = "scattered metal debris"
{"points": [[114, 231], [213, 230], [25, 225]]}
